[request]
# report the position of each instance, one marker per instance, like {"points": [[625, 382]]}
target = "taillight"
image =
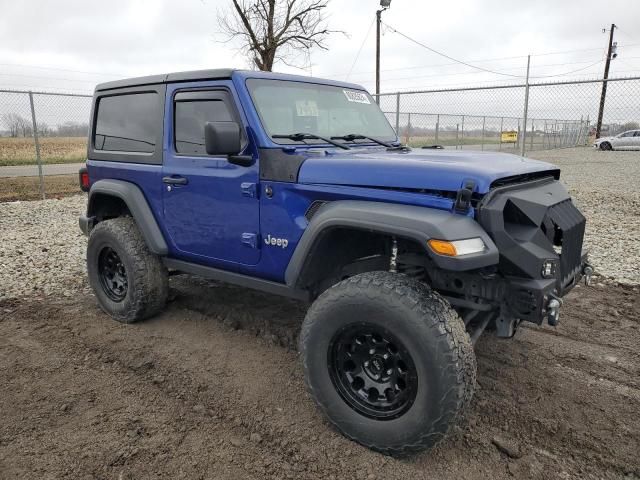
{"points": [[84, 179]]}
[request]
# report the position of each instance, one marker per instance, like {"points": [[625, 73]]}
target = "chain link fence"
{"points": [[39, 133], [42, 132], [558, 114]]}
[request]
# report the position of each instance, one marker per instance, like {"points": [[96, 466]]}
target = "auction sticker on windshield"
{"points": [[307, 108], [357, 97]]}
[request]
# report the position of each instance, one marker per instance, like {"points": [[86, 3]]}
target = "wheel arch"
{"points": [[362, 221], [113, 198]]}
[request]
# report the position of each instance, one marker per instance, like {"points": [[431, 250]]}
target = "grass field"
{"points": [[21, 151], [28, 188]]}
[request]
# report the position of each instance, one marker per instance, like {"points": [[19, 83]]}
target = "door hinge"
{"points": [[249, 189], [250, 239]]}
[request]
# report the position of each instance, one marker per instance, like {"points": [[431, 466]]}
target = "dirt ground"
{"points": [[213, 389], [28, 188]]}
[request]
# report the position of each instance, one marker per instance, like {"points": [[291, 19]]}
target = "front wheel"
{"points": [[388, 361], [606, 146]]}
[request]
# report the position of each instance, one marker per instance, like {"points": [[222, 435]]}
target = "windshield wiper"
{"points": [[300, 137], [356, 136]]}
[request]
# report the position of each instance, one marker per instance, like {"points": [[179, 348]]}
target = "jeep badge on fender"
{"points": [[273, 241], [406, 256]]}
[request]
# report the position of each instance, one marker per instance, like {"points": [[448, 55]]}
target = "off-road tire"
{"points": [[147, 277], [606, 146], [431, 332]]}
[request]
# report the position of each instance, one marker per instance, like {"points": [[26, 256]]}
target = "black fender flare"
{"points": [[408, 221], [137, 204]]}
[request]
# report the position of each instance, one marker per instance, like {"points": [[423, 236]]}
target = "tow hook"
{"points": [[553, 311], [587, 271]]}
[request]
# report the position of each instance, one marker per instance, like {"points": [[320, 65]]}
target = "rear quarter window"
{"points": [[127, 123]]}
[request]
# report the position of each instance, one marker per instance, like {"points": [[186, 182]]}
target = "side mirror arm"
{"points": [[241, 160]]}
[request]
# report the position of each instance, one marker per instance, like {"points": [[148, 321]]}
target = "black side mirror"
{"points": [[223, 138]]}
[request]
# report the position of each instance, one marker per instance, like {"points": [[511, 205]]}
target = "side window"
{"points": [[192, 111], [127, 123], [637, 133], [627, 134]]}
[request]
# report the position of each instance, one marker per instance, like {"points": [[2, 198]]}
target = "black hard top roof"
{"points": [[214, 74]]}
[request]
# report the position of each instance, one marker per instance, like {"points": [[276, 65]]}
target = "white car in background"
{"points": [[629, 140]]}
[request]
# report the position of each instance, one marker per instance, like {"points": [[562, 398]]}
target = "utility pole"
{"points": [[378, 20], [384, 4], [603, 96]]}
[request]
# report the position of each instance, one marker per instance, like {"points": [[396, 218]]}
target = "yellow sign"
{"points": [[510, 136]]}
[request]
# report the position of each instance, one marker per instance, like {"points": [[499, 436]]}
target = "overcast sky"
{"points": [[72, 44]]}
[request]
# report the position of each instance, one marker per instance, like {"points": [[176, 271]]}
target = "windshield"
{"points": [[288, 107]]}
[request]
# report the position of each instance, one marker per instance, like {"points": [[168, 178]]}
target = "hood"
{"points": [[422, 169]]}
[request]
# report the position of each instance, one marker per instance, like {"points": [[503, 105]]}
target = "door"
{"points": [[211, 209], [624, 141]]}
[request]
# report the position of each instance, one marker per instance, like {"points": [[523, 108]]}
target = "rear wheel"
{"points": [[606, 146], [388, 361], [129, 281]]}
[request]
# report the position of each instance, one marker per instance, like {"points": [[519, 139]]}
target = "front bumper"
{"points": [[534, 225]]}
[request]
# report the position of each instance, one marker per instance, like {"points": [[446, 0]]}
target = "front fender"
{"points": [[407, 221]]}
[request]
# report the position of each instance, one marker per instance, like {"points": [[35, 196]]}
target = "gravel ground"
{"points": [[43, 252]]}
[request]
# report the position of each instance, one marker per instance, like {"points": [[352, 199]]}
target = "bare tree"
{"points": [[271, 30], [16, 124]]}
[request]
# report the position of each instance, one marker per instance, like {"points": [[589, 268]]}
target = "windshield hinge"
{"points": [[249, 189], [463, 198]]}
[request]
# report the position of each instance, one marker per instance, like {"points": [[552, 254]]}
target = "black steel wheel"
{"points": [[130, 282], [373, 372], [388, 361], [112, 274], [606, 146]]}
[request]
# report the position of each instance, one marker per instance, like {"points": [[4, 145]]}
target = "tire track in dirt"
{"points": [[212, 389]]}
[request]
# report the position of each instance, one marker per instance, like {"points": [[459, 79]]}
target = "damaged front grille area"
{"points": [[569, 225], [533, 225]]}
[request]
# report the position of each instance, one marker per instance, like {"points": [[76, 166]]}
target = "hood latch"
{"points": [[463, 198]]}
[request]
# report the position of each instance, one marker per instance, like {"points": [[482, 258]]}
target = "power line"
{"points": [[47, 78], [568, 73], [448, 56], [481, 68], [511, 68], [355, 60], [62, 69]]}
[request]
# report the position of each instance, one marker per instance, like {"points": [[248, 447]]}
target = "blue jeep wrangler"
{"points": [[299, 187]]}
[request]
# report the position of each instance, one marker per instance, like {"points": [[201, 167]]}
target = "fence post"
{"points": [[398, 114], [462, 133], [500, 133], [484, 120], [526, 107], [408, 128], [37, 143], [533, 133], [457, 131], [437, 127]]}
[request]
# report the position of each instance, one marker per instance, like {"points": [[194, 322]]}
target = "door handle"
{"points": [[175, 180]]}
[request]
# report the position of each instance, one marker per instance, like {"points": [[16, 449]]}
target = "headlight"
{"points": [[457, 248]]}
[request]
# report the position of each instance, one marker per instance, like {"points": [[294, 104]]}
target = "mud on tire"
{"points": [[129, 281], [421, 331]]}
